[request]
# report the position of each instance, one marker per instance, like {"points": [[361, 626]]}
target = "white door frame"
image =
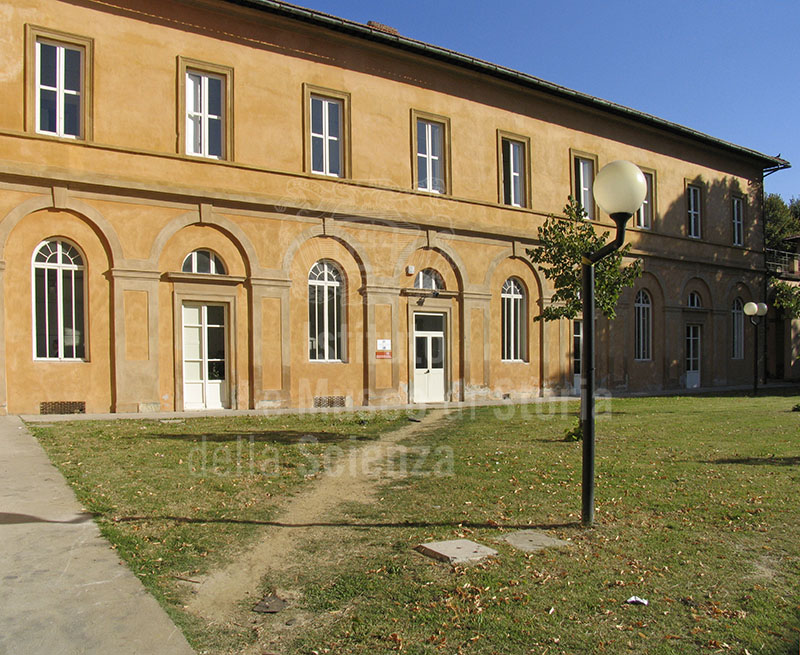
{"points": [[187, 290], [577, 355], [693, 344], [436, 376], [201, 391]]}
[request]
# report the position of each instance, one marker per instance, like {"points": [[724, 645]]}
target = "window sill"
{"points": [[199, 155], [332, 176], [60, 360], [52, 136]]}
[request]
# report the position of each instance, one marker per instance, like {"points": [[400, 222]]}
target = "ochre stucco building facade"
{"points": [[243, 204]]}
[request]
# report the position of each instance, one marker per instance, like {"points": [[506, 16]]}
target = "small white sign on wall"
{"points": [[384, 344]]}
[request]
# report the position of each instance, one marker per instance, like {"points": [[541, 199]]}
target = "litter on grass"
{"points": [[635, 600]]}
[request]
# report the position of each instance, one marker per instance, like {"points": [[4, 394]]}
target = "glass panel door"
{"points": [[429, 358], [204, 357], [692, 356]]}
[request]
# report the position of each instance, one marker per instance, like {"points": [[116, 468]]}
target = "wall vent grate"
{"points": [[329, 401], [63, 407]]}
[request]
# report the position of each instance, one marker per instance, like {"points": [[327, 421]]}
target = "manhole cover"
{"points": [[270, 605], [457, 551], [532, 540]]}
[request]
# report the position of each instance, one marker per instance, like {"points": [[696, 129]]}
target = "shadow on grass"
{"points": [[345, 524], [286, 437], [756, 461]]}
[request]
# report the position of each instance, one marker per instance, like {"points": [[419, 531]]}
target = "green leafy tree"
{"points": [[786, 298], [780, 221], [563, 240]]}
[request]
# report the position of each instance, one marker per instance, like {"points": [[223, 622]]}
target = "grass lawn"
{"points": [[177, 498], [697, 511]]}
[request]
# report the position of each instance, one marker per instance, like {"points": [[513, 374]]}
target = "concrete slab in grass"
{"points": [[457, 551], [532, 540]]}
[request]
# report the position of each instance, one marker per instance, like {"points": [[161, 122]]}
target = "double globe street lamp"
{"points": [[754, 311], [619, 190]]}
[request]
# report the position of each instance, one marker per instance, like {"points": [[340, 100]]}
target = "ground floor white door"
{"points": [[429, 358], [205, 379], [692, 356], [577, 355]]}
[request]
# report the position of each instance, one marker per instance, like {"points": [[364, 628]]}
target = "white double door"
{"points": [[205, 365], [692, 356], [429, 358]]}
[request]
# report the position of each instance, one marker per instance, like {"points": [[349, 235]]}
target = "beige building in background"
{"points": [[245, 204]]}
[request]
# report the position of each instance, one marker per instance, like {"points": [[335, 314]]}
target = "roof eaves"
{"points": [[771, 163]]}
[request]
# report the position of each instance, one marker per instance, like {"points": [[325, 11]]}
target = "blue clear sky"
{"points": [[729, 68]]}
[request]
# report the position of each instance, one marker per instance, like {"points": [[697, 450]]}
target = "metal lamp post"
{"points": [[754, 311], [619, 190]]}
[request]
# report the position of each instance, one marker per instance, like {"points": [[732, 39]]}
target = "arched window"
{"points": [[429, 279], [203, 261], [58, 301], [737, 329], [325, 330], [513, 320], [643, 328], [695, 302]]}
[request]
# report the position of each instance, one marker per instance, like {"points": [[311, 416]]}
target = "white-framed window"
{"points": [[58, 302], [205, 114], [694, 212], [694, 301], [203, 261], [430, 156], [326, 135], [429, 278], [514, 321], [737, 211], [59, 89], [325, 320], [737, 329], [584, 183], [513, 174], [577, 346], [643, 326], [644, 217]]}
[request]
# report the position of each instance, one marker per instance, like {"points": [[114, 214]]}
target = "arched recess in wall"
{"points": [[699, 285], [652, 284], [233, 233], [739, 365], [432, 258], [203, 236], [515, 372], [347, 241], [738, 289], [51, 374], [542, 286], [325, 327], [85, 212], [204, 308], [414, 254]]}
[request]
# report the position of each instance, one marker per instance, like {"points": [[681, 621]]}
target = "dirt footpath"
{"points": [[226, 595]]}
